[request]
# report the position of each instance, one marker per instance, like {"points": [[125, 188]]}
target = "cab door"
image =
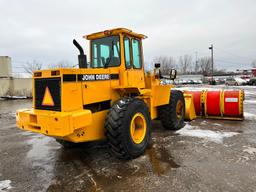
{"points": [[133, 62]]}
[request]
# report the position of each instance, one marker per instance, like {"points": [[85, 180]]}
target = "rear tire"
{"points": [[128, 128], [172, 115]]}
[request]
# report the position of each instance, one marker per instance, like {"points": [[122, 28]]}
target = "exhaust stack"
{"points": [[82, 59]]}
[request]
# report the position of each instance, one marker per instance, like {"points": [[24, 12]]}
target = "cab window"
{"points": [[127, 52], [105, 52], [136, 54]]}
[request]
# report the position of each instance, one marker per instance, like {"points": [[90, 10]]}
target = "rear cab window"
{"points": [[105, 52]]}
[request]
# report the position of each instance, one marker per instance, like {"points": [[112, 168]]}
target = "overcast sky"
{"points": [[43, 30]]}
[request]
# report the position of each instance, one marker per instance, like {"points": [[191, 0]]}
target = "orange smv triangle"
{"points": [[47, 100]]}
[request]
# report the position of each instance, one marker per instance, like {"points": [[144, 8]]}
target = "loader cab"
{"points": [[119, 49]]}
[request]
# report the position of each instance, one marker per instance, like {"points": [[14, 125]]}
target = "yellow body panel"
{"points": [[96, 91], [94, 131], [56, 124], [160, 95], [135, 78], [71, 92]]}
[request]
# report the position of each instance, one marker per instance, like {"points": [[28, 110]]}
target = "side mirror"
{"points": [[157, 65], [173, 74]]}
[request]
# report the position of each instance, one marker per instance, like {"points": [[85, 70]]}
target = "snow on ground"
{"points": [[249, 93], [249, 116], [217, 124], [40, 148], [215, 136], [197, 88], [211, 88], [250, 150], [250, 101], [14, 97], [5, 185]]}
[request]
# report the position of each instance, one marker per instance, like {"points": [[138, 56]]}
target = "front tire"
{"points": [[128, 128], [172, 115]]}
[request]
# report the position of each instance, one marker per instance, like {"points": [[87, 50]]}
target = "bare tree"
{"points": [[167, 63], [61, 64], [29, 67], [205, 65], [254, 63], [196, 67], [185, 62]]}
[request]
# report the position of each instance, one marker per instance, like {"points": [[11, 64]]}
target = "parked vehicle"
{"points": [[220, 81], [198, 82], [231, 81], [240, 81], [212, 82], [252, 82]]}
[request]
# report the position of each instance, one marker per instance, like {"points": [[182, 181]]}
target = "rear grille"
{"points": [[54, 86]]}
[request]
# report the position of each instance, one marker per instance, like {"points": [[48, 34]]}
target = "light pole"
{"points": [[211, 48]]}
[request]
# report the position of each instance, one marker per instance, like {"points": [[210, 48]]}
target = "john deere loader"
{"points": [[109, 98]]}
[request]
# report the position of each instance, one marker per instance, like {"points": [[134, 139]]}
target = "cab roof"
{"points": [[114, 31]]}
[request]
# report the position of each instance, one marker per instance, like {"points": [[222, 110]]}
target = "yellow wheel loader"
{"points": [[109, 98]]}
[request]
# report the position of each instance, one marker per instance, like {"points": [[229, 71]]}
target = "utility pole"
{"points": [[211, 48]]}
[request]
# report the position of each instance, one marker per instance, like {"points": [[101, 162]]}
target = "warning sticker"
{"points": [[47, 100], [231, 100]]}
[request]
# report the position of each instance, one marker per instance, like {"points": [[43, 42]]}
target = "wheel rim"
{"points": [[179, 109], [138, 128]]}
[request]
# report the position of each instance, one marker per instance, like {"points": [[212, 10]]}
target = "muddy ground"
{"points": [[206, 155]]}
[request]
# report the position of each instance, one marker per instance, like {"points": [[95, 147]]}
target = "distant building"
{"points": [[12, 86], [5, 66]]}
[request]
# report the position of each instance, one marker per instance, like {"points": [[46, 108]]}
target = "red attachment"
{"points": [[213, 103], [231, 103], [196, 100]]}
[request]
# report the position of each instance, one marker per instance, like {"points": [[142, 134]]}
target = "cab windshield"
{"points": [[105, 52]]}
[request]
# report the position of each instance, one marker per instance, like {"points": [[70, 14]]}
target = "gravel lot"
{"points": [[206, 155]]}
